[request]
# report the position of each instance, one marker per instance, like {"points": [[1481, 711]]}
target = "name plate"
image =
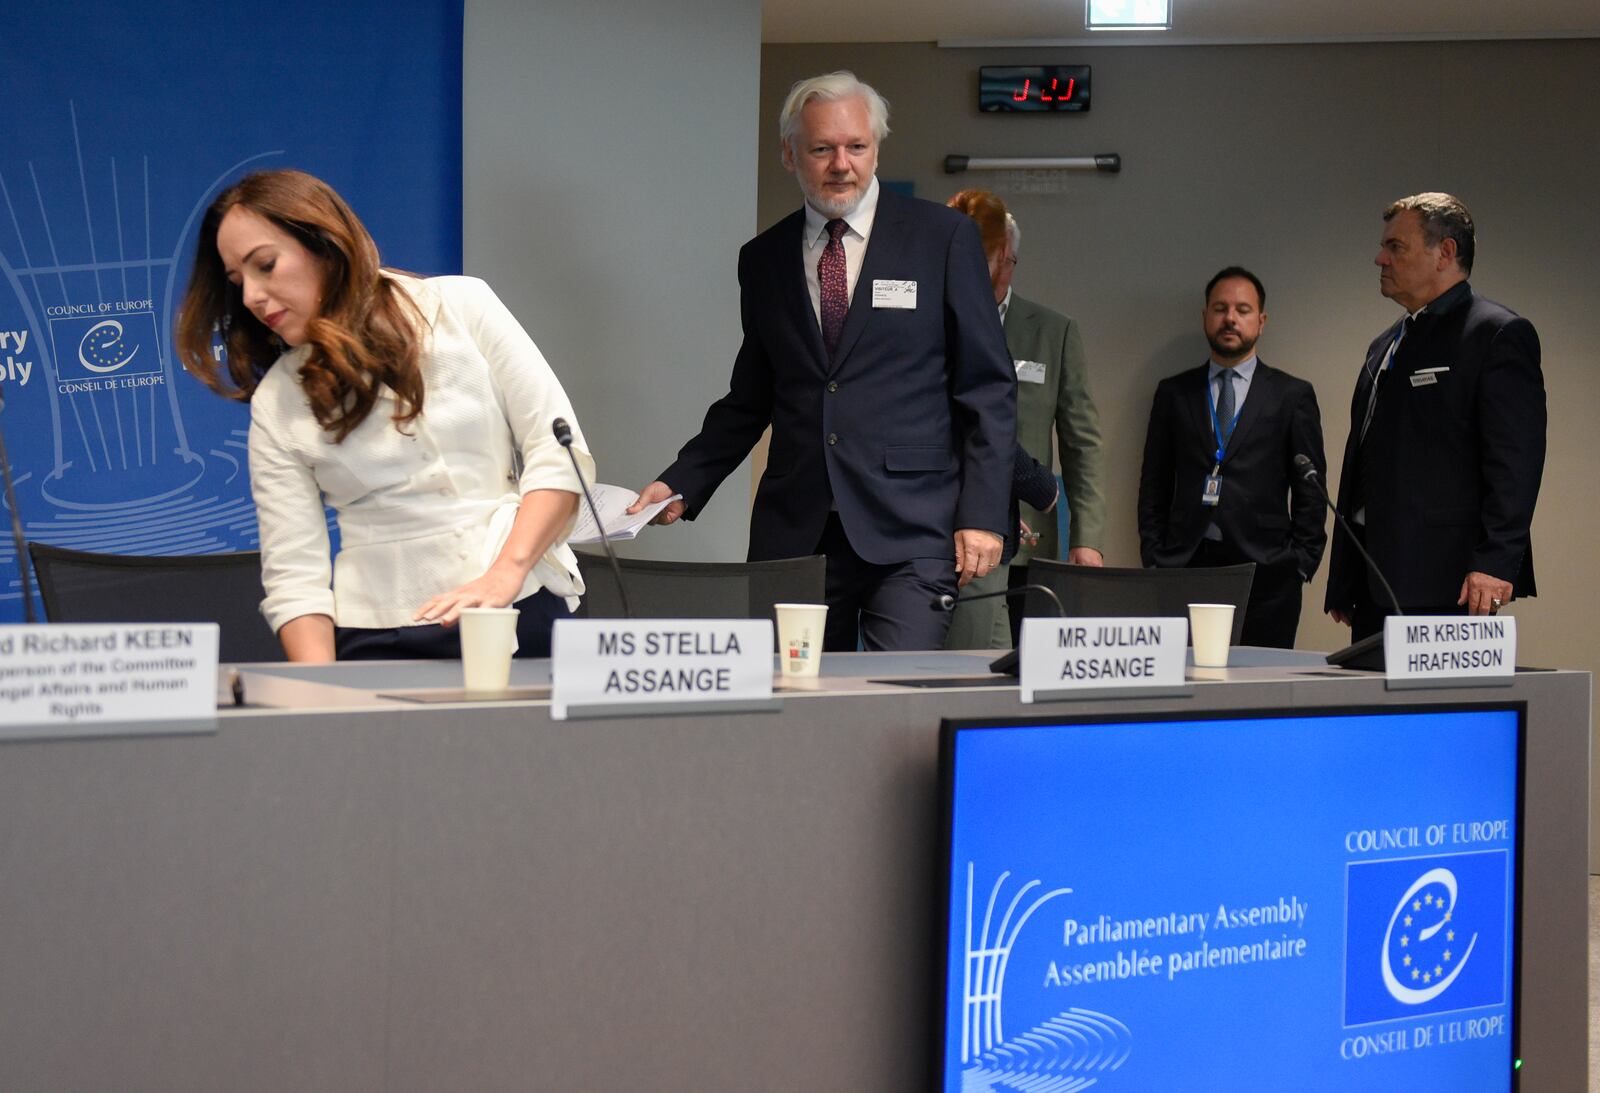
{"points": [[606, 663], [79, 679], [1419, 649], [1100, 655]]}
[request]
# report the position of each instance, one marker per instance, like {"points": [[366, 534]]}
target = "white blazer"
{"points": [[424, 507]]}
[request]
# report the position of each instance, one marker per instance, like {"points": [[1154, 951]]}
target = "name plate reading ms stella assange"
{"points": [[651, 662], [98, 678], [1101, 654], [1418, 648]]}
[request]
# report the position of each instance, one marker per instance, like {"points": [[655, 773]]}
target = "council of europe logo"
{"points": [[1425, 935], [89, 346]]}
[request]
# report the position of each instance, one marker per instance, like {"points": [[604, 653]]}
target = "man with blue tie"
{"points": [[873, 350], [1447, 435], [1218, 485]]}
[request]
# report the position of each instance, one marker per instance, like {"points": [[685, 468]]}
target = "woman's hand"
{"points": [[496, 588], [541, 515]]}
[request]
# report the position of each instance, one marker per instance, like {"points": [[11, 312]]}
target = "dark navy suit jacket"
{"points": [[1450, 468], [909, 430], [1266, 509]]}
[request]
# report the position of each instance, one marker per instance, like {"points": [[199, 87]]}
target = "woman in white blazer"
{"points": [[419, 410]]}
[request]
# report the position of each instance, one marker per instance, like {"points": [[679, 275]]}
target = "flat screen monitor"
{"points": [[1265, 901]]}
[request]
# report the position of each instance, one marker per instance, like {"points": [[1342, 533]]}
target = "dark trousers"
{"points": [[1371, 610], [538, 614], [1273, 614], [1369, 615], [884, 607]]}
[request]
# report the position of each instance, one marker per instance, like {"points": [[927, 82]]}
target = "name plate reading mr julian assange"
{"points": [[1101, 654], [65, 680], [619, 662]]}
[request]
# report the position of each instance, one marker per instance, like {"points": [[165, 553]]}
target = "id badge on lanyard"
{"points": [[1211, 491]]}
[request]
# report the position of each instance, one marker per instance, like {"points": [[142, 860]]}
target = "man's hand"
{"points": [[977, 553], [1085, 556], [1340, 617], [658, 491], [1026, 536], [1483, 594]]}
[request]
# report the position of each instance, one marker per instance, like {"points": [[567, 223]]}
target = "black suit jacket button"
{"points": [[833, 385], [833, 438]]}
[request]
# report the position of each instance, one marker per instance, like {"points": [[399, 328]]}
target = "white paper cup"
{"points": [[488, 638], [1211, 629], [800, 628]]}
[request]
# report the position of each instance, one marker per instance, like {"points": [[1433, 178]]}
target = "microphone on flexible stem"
{"points": [[563, 434], [1367, 653], [1006, 664], [19, 543]]}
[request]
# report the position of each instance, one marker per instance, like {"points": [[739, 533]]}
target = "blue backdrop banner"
{"points": [[121, 125]]}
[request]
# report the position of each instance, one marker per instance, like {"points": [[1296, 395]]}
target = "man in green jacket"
{"points": [[1052, 395]]}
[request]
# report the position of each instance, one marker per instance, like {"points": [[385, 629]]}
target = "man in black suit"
{"points": [[1447, 435], [873, 349], [1218, 485]]}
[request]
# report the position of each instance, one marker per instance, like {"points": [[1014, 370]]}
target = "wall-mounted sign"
{"points": [[1033, 89]]}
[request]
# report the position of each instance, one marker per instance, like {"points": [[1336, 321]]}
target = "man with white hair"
{"points": [[873, 349]]}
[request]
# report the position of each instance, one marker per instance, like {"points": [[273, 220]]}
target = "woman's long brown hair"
{"points": [[366, 336], [990, 213]]}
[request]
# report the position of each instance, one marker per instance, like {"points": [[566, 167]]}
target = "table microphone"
{"points": [[563, 434], [19, 543], [1005, 664], [1368, 652]]}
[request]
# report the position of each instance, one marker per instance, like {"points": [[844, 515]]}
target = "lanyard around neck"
{"points": [[1216, 425]]}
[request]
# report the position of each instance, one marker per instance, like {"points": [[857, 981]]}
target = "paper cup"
{"points": [[1211, 629], [800, 627], [488, 638]]}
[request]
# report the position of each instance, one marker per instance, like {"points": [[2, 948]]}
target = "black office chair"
{"points": [[79, 586], [1112, 592], [700, 590]]}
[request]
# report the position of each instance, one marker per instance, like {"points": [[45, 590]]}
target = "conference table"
{"points": [[343, 887]]}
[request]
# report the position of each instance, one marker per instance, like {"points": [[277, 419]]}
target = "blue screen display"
{"points": [[1296, 902]]}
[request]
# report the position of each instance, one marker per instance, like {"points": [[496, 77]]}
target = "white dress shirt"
{"points": [[423, 507], [814, 239]]}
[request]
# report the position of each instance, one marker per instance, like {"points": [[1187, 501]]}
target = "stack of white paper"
{"points": [[612, 503]]}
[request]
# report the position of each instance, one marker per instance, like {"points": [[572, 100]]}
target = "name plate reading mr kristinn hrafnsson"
{"points": [[1101, 658], [1449, 651], [614, 667], [100, 679]]}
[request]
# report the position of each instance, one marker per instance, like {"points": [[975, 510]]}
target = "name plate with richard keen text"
{"points": [[96, 679], [1449, 650], [1096, 658], [615, 667]]}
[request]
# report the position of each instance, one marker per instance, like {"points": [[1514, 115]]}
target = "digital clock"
{"points": [[1033, 89]]}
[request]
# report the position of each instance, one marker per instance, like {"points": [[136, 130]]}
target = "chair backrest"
{"points": [[1111, 592], [700, 590], [79, 586]]}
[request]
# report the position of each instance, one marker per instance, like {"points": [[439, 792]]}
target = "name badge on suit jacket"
{"points": [[896, 294], [1425, 376], [1029, 371]]}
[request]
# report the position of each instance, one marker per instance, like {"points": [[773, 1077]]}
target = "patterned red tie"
{"points": [[835, 286]]}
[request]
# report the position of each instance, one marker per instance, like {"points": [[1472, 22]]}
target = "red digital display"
{"points": [[1054, 93], [1033, 89]]}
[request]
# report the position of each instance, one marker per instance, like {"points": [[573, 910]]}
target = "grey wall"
{"points": [[609, 181], [1282, 158]]}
